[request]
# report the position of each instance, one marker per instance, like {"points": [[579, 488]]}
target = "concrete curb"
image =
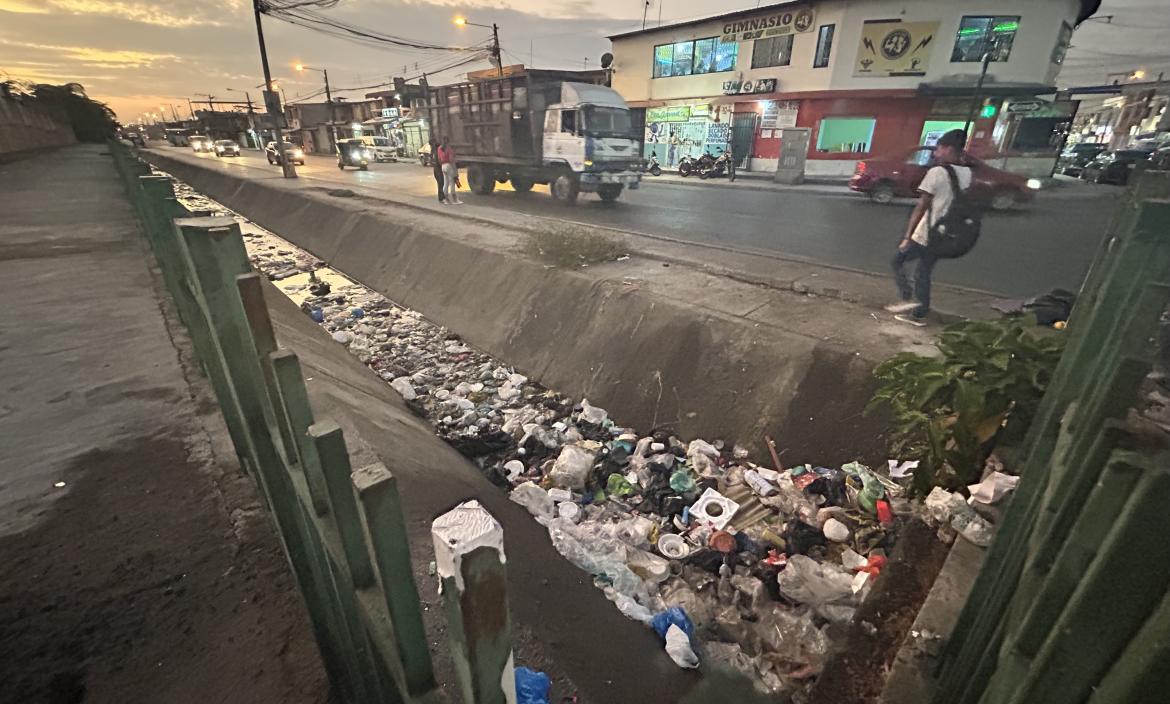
{"points": [[668, 347]]}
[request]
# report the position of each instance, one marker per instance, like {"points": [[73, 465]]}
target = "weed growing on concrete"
{"points": [[569, 248]]}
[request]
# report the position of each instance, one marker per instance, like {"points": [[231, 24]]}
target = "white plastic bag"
{"points": [[536, 500], [572, 467], [678, 647]]}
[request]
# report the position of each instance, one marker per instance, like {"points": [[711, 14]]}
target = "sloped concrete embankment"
{"points": [[654, 359]]}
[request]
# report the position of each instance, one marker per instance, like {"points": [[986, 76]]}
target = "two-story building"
{"points": [[866, 77]]}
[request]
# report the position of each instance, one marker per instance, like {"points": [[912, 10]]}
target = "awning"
{"points": [[989, 90]]}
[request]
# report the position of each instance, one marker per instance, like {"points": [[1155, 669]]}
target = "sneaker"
{"points": [[916, 322], [903, 307]]}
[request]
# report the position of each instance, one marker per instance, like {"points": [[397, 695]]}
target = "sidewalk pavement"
{"points": [[138, 564], [749, 181]]}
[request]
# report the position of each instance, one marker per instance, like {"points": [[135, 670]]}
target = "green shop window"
{"points": [[982, 34]]}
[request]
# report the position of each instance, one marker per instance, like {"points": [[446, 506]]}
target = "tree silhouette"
{"points": [[91, 120]]}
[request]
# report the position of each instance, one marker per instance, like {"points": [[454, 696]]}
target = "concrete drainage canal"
{"points": [[733, 560]]}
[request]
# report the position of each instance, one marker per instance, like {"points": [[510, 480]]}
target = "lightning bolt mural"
{"points": [[869, 45], [925, 40]]}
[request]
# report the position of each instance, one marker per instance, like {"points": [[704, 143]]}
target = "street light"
{"points": [[328, 100], [462, 22]]}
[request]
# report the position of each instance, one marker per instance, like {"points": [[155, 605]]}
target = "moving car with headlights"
{"points": [[226, 147], [382, 148], [1114, 167], [294, 153], [199, 143], [135, 139], [1075, 156], [354, 152], [886, 178]]}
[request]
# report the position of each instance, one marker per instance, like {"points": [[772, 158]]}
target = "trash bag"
{"points": [[532, 687], [674, 616], [800, 537], [572, 467], [598, 555]]}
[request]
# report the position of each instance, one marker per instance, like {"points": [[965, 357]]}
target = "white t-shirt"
{"points": [[938, 184]]}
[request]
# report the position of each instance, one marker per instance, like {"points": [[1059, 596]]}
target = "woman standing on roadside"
{"points": [[450, 171], [437, 168]]}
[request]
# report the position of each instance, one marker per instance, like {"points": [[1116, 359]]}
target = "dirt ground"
{"points": [[136, 565]]}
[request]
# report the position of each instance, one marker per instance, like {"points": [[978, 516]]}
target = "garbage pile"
{"points": [[752, 566]]}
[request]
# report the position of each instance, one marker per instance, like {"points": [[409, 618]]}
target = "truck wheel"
{"points": [[480, 180], [565, 187], [609, 192], [521, 185]]}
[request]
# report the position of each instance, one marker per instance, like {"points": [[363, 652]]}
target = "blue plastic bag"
{"points": [[531, 686], [674, 616]]}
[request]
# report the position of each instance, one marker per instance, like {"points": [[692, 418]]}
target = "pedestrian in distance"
{"points": [[438, 169], [936, 195], [450, 171]]}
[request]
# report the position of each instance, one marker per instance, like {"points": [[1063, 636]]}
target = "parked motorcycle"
{"points": [[652, 166], [688, 165], [720, 166]]}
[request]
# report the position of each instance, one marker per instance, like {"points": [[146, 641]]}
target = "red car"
{"points": [[887, 178]]}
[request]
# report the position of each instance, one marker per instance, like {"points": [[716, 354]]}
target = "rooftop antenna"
{"points": [[645, 9], [660, 11]]}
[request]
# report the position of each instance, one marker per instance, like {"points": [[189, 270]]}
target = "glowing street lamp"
{"points": [[463, 22]]}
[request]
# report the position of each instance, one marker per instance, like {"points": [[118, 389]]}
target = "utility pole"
{"points": [[328, 101], [496, 50], [986, 63], [190, 110], [272, 104]]}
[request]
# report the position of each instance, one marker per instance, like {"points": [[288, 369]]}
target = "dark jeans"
{"points": [[439, 183], [921, 289]]}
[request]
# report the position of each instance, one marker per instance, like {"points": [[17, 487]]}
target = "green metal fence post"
{"points": [[295, 400], [385, 525], [469, 552]]}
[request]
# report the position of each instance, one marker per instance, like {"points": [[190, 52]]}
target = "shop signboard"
{"points": [[779, 114], [669, 113], [771, 24], [389, 112], [891, 48], [762, 85]]}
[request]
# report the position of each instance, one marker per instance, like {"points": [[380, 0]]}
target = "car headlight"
{"points": [[1034, 184], [369, 154], [298, 153]]}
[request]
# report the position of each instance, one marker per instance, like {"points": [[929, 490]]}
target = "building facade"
{"points": [[865, 78]]}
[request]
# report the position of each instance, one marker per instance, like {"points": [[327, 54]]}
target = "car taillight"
{"points": [[860, 168]]}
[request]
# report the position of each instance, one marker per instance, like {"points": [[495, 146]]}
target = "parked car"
{"points": [[199, 143], [886, 178], [1075, 156], [294, 153], [1114, 167], [382, 148], [226, 147]]}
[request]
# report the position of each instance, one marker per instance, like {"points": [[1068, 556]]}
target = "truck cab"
{"points": [[590, 133]]}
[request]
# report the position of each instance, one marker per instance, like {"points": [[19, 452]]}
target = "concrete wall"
{"points": [[651, 359], [1030, 60], [26, 126]]}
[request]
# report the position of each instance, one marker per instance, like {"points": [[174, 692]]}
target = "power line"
{"points": [[293, 12]]}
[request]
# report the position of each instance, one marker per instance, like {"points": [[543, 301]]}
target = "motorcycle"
{"points": [[720, 166], [689, 165], [652, 166]]}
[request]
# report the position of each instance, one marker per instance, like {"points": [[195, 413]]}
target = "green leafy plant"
{"points": [[949, 410]]}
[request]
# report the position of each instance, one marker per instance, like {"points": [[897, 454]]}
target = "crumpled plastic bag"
{"points": [[806, 581], [592, 414], [532, 687], [678, 647], [536, 500], [702, 456], [572, 467], [597, 554]]}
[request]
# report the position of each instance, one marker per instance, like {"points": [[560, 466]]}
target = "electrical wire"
{"points": [[462, 62], [294, 12]]}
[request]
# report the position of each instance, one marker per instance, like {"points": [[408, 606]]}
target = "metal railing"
{"points": [[1072, 603], [343, 531]]}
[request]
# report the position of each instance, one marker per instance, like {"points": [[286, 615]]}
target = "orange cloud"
{"points": [[101, 58]]}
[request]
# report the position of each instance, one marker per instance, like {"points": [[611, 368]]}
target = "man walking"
{"points": [[437, 168], [450, 172], [935, 196]]}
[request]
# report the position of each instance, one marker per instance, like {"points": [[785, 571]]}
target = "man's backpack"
{"points": [[958, 230]]}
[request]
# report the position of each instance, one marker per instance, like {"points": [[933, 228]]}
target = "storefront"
{"points": [[858, 76]]}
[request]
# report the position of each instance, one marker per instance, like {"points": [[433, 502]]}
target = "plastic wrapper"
{"points": [[597, 554], [792, 642], [702, 456], [678, 647]]}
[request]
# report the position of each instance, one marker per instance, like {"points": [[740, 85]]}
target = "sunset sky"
{"points": [[138, 55]]}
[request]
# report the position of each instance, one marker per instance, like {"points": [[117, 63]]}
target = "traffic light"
{"points": [[989, 110]]}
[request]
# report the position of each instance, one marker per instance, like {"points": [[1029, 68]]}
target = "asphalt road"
{"points": [[1047, 244]]}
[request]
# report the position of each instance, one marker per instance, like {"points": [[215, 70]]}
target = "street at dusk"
{"points": [[655, 352]]}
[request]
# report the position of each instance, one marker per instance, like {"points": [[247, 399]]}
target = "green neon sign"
{"points": [[988, 111]]}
